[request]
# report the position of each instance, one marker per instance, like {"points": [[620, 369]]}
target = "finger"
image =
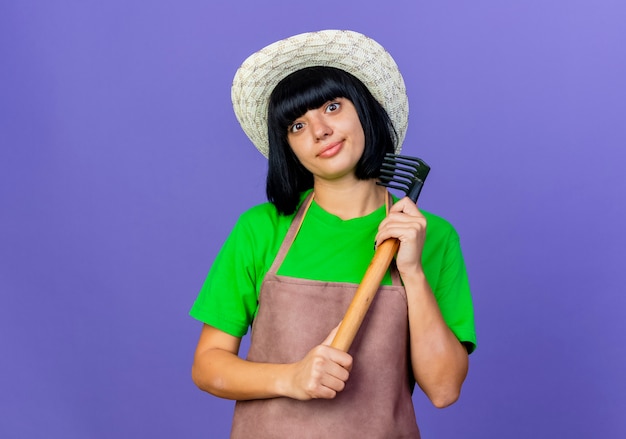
{"points": [[404, 230], [398, 219], [342, 359], [333, 383], [324, 393], [405, 205], [339, 371], [326, 376], [406, 217], [336, 356]]}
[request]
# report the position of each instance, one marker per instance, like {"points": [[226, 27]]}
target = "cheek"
{"points": [[293, 144]]}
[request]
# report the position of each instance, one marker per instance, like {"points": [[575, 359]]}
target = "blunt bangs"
{"points": [[306, 90]]}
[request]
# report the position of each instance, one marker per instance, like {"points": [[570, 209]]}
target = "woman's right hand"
{"points": [[218, 369], [321, 373]]}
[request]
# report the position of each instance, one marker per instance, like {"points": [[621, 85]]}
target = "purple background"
{"points": [[122, 170]]}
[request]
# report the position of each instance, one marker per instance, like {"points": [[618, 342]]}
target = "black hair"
{"points": [[305, 90]]}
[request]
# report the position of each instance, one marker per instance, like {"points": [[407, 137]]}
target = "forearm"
{"points": [[217, 369], [225, 375], [439, 360]]}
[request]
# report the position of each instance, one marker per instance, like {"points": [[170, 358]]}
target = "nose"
{"points": [[320, 127]]}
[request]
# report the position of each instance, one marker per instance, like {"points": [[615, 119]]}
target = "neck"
{"points": [[351, 199]]}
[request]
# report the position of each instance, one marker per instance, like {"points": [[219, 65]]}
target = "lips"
{"points": [[330, 150]]}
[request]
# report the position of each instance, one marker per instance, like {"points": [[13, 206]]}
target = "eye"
{"points": [[295, 127], [333, 106]]}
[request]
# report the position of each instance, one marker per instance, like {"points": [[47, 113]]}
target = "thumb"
{"points": [[329, 339]]}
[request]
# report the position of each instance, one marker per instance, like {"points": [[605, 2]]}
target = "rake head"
{"points": [[404, 173]]}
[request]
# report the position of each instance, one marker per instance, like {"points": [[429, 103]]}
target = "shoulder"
{"points": [[441, 235], [439, 225], [266, 214], [264, 224], [261, 217], [258, 225]]}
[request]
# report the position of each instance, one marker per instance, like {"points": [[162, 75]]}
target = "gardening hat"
{"points": [[346, 50]]}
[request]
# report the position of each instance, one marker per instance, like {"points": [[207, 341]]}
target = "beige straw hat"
{"points": [[347, 50]]}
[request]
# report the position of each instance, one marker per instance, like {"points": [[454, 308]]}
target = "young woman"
{"points": [[325, 107]]}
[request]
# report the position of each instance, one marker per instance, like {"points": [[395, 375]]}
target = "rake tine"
{"points": [[404, 173]]}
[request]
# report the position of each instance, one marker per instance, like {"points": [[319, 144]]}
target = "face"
{"points": [[329, 140]]}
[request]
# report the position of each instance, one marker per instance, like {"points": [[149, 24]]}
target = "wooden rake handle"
{"points": [[365, 294]]}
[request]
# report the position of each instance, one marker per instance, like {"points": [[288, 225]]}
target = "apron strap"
{"points": [[294, 228]]}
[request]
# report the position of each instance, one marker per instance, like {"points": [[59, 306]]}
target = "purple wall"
{"points": [[122, 169]]}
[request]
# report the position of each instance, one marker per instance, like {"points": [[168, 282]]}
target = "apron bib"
{"points": [[296, 315]]}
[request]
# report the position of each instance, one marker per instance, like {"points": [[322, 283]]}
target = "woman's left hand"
{"points": [[406, 223]]}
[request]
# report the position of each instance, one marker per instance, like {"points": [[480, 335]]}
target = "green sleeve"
{"points": [[447, 276], [228, 298]]}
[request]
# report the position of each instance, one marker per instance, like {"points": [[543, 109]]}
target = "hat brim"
{"points": [[351, 51]]}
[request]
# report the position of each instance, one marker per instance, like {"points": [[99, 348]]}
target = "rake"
{"points": [[406, 174]]}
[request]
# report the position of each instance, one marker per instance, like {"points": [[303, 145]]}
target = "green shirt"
{"points": [[326, 248]]}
